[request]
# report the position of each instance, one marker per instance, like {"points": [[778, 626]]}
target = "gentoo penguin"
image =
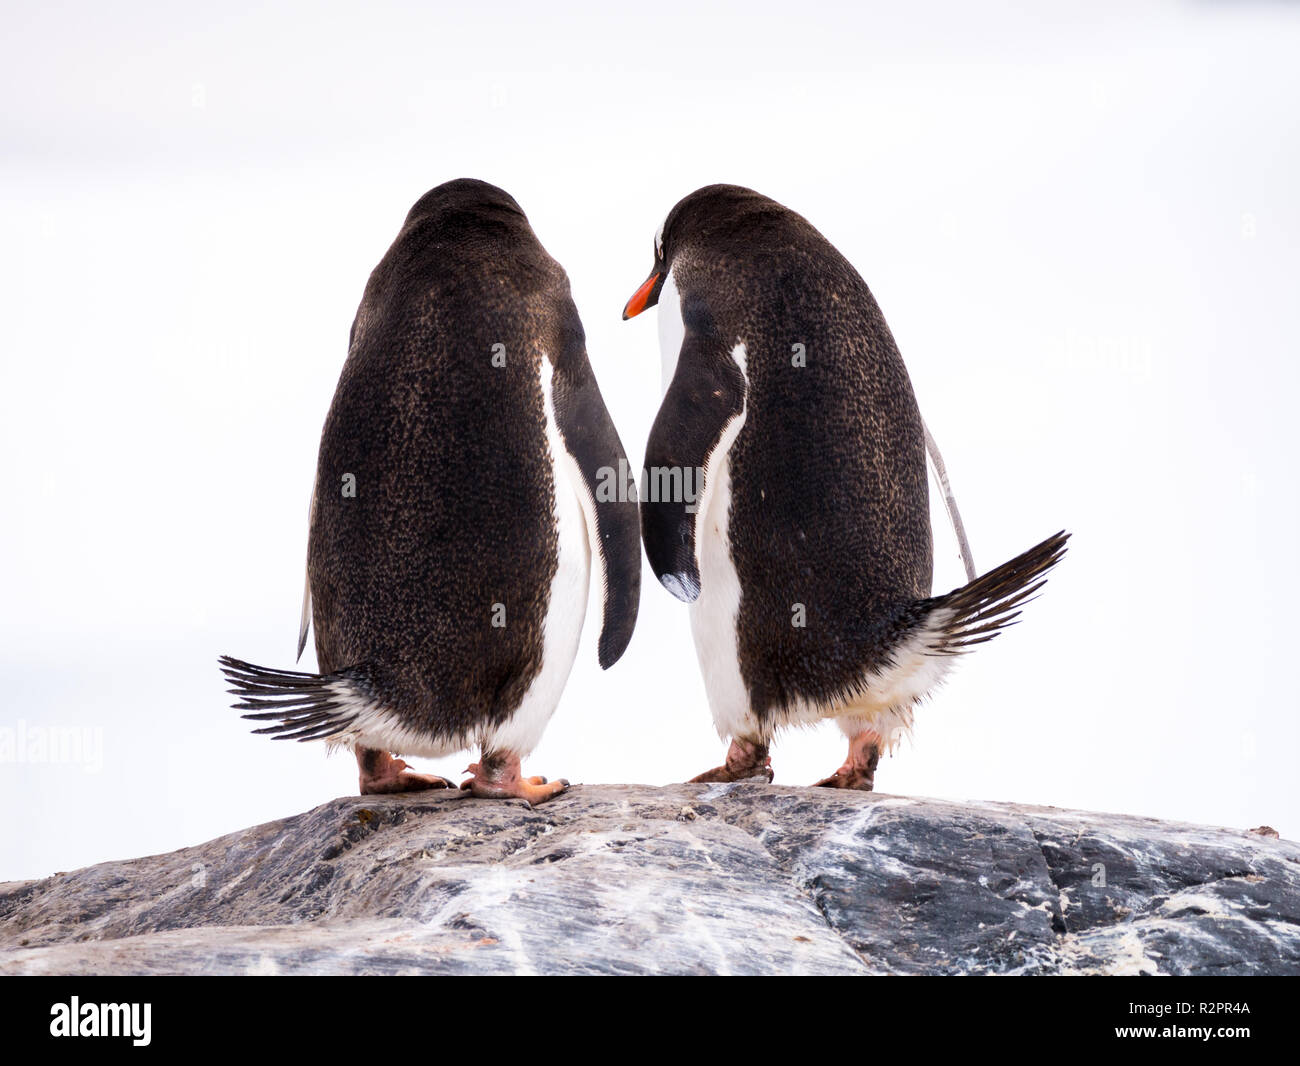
{"points": [[785, 496], [456, 511]]}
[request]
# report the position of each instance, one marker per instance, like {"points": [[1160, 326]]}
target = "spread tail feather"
{"points": [[977, 612], [299, 705]]}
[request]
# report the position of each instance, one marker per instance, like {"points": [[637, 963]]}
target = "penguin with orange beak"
{"points": [[805, 552]]}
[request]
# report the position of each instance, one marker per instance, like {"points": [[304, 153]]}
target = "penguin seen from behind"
{"points": [[455, 516]]}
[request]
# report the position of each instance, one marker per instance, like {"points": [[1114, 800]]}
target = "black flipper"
{"points": [[607, 496], [706, 397]]}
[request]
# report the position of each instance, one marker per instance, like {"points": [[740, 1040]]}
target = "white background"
{"points": [[1081, 223]]}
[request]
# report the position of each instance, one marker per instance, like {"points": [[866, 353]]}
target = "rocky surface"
{"points": [[630, 879]]}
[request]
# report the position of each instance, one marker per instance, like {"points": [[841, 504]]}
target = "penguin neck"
{"points": [[672, 330]]}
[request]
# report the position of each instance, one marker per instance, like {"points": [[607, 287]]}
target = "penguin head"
{"points": [[468, 203], [648, 294], [462, 193], [713, 212]]}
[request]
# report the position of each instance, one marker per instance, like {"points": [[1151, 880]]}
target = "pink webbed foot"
{"points": [[859, 769], [382, 773], [498, 776], [745, 759]]}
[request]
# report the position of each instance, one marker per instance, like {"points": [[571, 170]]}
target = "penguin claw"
{"points": [[746, 760], [519, 789], [839, 779], [382, 774], [403, 782], [498, 777], [725, 773], [859, 769]]}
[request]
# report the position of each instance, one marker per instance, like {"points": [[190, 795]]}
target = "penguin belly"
{"points": [[885, 698], [672, 331], [567, 604], [884, 704], [715, 612]]}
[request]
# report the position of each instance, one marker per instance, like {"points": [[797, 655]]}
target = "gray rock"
{"points": [[629, 879]]}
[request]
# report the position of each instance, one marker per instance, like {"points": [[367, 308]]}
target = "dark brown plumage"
{"points": [[820, 558], [438, 543]]}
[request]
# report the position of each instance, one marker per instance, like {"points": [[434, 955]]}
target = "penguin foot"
{"points": [[498, 776], [745, 759], [846, 778], [859, 769], [381, 773]]}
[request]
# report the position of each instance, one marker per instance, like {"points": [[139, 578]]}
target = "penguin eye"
{"points": [[659, 243]]}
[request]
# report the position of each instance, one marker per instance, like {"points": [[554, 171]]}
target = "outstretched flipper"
{"points": [[949, 502], [304, 621]]}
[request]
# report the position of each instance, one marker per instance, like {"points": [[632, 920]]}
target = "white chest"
{"points": [[567, 603], [672, 330]]}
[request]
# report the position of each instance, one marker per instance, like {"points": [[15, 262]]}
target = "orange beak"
{"points": [[646, 296]]}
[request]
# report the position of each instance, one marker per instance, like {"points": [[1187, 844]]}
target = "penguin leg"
{"points": [[859, 769], [380, 773], [497, 776], [745, 758]]}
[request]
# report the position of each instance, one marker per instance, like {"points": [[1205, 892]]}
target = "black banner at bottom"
{"points": [[334, 1014]]}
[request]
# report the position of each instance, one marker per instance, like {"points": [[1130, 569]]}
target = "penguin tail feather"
{"points": [[977, 612], [299, 706]]}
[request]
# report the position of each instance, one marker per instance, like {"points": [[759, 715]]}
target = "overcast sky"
{"points": [[1081, 223]]}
